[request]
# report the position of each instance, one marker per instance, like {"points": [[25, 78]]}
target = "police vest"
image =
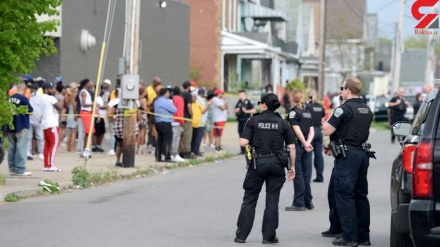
{"points": [[267, 133], [305, 119], [318, 112], [241, 116], [356, 130]]}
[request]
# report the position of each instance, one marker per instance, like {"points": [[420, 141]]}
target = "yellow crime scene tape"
{"points": [[132, 113]]}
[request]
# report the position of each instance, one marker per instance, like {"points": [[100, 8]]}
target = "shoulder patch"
{"points": [[338, 112], [292, 114]]}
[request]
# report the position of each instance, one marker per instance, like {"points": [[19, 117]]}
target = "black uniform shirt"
{"points": [[318, 112], [399, 109], [289, 136], [247, 104], [296, 115], [342, 113]]}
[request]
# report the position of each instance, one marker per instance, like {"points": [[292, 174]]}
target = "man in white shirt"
{"points": [[49, 123], [35, 122], [98, 136], [86, 102], [220, 115]]}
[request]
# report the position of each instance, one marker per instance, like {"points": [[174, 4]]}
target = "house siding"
{"points": [[164, 38]]}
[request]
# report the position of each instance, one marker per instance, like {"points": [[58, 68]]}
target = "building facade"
{"points": [[164, 42]]}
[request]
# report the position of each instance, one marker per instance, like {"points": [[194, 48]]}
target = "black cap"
{"points": [[47, 85], [32, 85], [271, 101], [186, 84]]}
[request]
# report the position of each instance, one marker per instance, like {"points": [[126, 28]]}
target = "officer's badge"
{"points": [[338, 112], [292, 114], [246, 102]]}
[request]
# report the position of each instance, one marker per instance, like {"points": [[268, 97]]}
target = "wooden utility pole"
{"points": [[321, 65], [398, 50], [131, 67]]}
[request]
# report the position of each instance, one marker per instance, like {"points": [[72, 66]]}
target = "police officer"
{"points": [[318, 116], [243, 110], [397, 105], [267, 133], [348, 129], [300, 119]]}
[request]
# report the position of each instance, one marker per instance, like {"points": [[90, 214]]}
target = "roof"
{"points": [[260, 37]]}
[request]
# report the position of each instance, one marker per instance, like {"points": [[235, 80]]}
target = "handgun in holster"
{"points": [[248, 156], [333, 149], [366, 147]]}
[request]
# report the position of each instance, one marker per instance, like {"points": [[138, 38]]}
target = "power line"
{"points": [[381, 8]]}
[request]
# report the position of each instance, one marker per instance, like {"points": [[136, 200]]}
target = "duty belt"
{"points": [[350, 147], [265, 155]]}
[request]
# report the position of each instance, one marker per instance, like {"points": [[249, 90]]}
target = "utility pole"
{"points": [[321, 65], [429, 75], [398, 50], [131, 67]]}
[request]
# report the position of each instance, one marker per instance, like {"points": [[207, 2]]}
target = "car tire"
{"points": [[397, 239]]}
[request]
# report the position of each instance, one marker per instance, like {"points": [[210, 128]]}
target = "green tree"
{"points": [[385, 40], [296, 84], [22, 41]]}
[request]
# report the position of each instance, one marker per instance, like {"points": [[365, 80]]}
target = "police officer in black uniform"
{"points": [[300, 119], [318, 115], [243, 110], [268, 134], [397, 105], [348, 129]]}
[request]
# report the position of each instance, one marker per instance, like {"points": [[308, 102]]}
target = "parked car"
{"points": [[415, 179], [409, 114], [379, 107]]}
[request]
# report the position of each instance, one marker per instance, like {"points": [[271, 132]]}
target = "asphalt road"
{"points": [[195, 206]]}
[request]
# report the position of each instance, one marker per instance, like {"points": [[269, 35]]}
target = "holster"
{"points": [[333, 149], [283, 157], [337, 149], [366, 148]]}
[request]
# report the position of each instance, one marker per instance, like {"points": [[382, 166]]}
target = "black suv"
{"points": [[415, 179]]}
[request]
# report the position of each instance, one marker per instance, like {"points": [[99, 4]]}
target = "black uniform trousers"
{"points": [[335, 224], [302, 196], [351, 190], [318, 159], [164, 140], [241, 125], [270, 171]]}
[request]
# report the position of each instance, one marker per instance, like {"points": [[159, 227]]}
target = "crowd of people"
{"points": [[172, 123]]}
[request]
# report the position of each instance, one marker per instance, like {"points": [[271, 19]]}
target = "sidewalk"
{"points": [[100, 162]]}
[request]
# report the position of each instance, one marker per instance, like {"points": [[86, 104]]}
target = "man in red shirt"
{"points": [[177, 124]]}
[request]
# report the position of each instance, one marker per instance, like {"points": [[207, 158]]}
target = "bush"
{"points": [[81, 177], [296, 84], [11, 198]]}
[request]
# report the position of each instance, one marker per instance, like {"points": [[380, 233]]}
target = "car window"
{"points": [[420, 118], [381, 101], [411, 99]]}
